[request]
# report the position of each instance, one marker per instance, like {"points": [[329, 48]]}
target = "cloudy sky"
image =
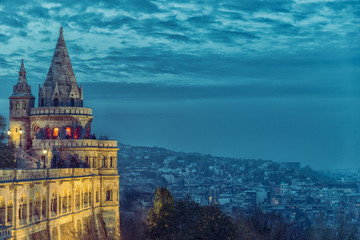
{"points": [[274, 80]]}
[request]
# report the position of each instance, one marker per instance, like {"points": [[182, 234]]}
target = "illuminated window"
{"points": [[77, 133], [24, 105], [17, 105], [56, 133], [47, 133], [68, 133]]}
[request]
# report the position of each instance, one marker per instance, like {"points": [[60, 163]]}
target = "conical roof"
{"points": [[61, 71], [22, 88]]}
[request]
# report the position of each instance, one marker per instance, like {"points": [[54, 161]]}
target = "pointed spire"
{"points": [[60, 70], [60, 81], [22, 88], [22, 73]]}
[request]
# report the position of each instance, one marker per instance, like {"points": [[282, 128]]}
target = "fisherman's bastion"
{"points": [[65, 178]]}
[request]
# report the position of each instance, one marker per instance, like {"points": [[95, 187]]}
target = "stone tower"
{"points": [[20, 103], [65, 177]]}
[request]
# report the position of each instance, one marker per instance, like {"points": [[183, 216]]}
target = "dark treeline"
{"points": [[184, 219]]}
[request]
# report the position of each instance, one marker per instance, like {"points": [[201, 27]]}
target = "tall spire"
{"points": [[60, 87], [22, 88], [60, 70], [22, 73]]}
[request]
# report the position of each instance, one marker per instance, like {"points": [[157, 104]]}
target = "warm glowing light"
{"points": [[21, 131], [56, 133], [44, 151], [8, 132], [68, 132]]}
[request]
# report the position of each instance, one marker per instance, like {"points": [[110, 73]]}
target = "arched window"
{"points": [[31, 210], [56, 102], [43, 206], [68, 133], [103, 161], [90, 199], [87, 162], [86, 199], [77, 199], [2, 211], [111, 162], [87, 136], [22, 210], [77, 133], [94, 163], [10, 212], [97, 195], [72, 103], [24, 105], [54, 204], [47, 133], [17, 105], [64, 203], [56, 133], [42, 102], [108, 195], [37, 206], [70, 203]]}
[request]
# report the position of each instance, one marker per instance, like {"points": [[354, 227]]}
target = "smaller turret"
{"points": [[21, 99]]}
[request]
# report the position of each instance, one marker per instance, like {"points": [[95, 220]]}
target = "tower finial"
{"points": [[61, 30]]}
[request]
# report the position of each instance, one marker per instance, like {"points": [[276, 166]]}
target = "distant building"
{"points": [[291, 165]]}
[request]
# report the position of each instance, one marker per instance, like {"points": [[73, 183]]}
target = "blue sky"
{"points": [[254, 79]]}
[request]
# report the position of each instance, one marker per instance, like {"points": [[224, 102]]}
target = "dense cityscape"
{"points": [[297, 193]]}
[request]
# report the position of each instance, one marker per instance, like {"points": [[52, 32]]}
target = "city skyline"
{"points": [[251, 80]]}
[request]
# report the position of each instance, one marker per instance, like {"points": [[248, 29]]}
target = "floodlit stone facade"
{"points": [[65, 177]]}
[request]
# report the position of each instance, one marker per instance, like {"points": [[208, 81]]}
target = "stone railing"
{"points": [[39, 174], [24, 160], [5, 232], [61, 111], [73, 143]]}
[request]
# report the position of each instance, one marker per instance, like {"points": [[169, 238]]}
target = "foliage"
{"points": [[185, 220], [7, 149]]}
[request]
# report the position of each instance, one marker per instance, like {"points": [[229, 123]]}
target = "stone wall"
{"points": [[42, 202]]}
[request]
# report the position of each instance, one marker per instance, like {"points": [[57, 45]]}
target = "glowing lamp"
{"points": [[44, 151], [8, 132], [21, 131]]}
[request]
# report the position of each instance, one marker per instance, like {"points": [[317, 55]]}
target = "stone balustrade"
{"points": [[73, 143], [56, 173], [61, 111], [5, 232]]}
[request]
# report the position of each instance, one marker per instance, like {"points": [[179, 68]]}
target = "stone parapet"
{"points": [[73, 143], [61, 111], [56, 173]]}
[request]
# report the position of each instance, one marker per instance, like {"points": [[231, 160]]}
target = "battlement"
{"points": [[61, 111], [73, 143]]}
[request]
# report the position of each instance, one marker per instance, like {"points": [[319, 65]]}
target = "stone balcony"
{"points": [[61, 111], [73, 143], [19, 175]]}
